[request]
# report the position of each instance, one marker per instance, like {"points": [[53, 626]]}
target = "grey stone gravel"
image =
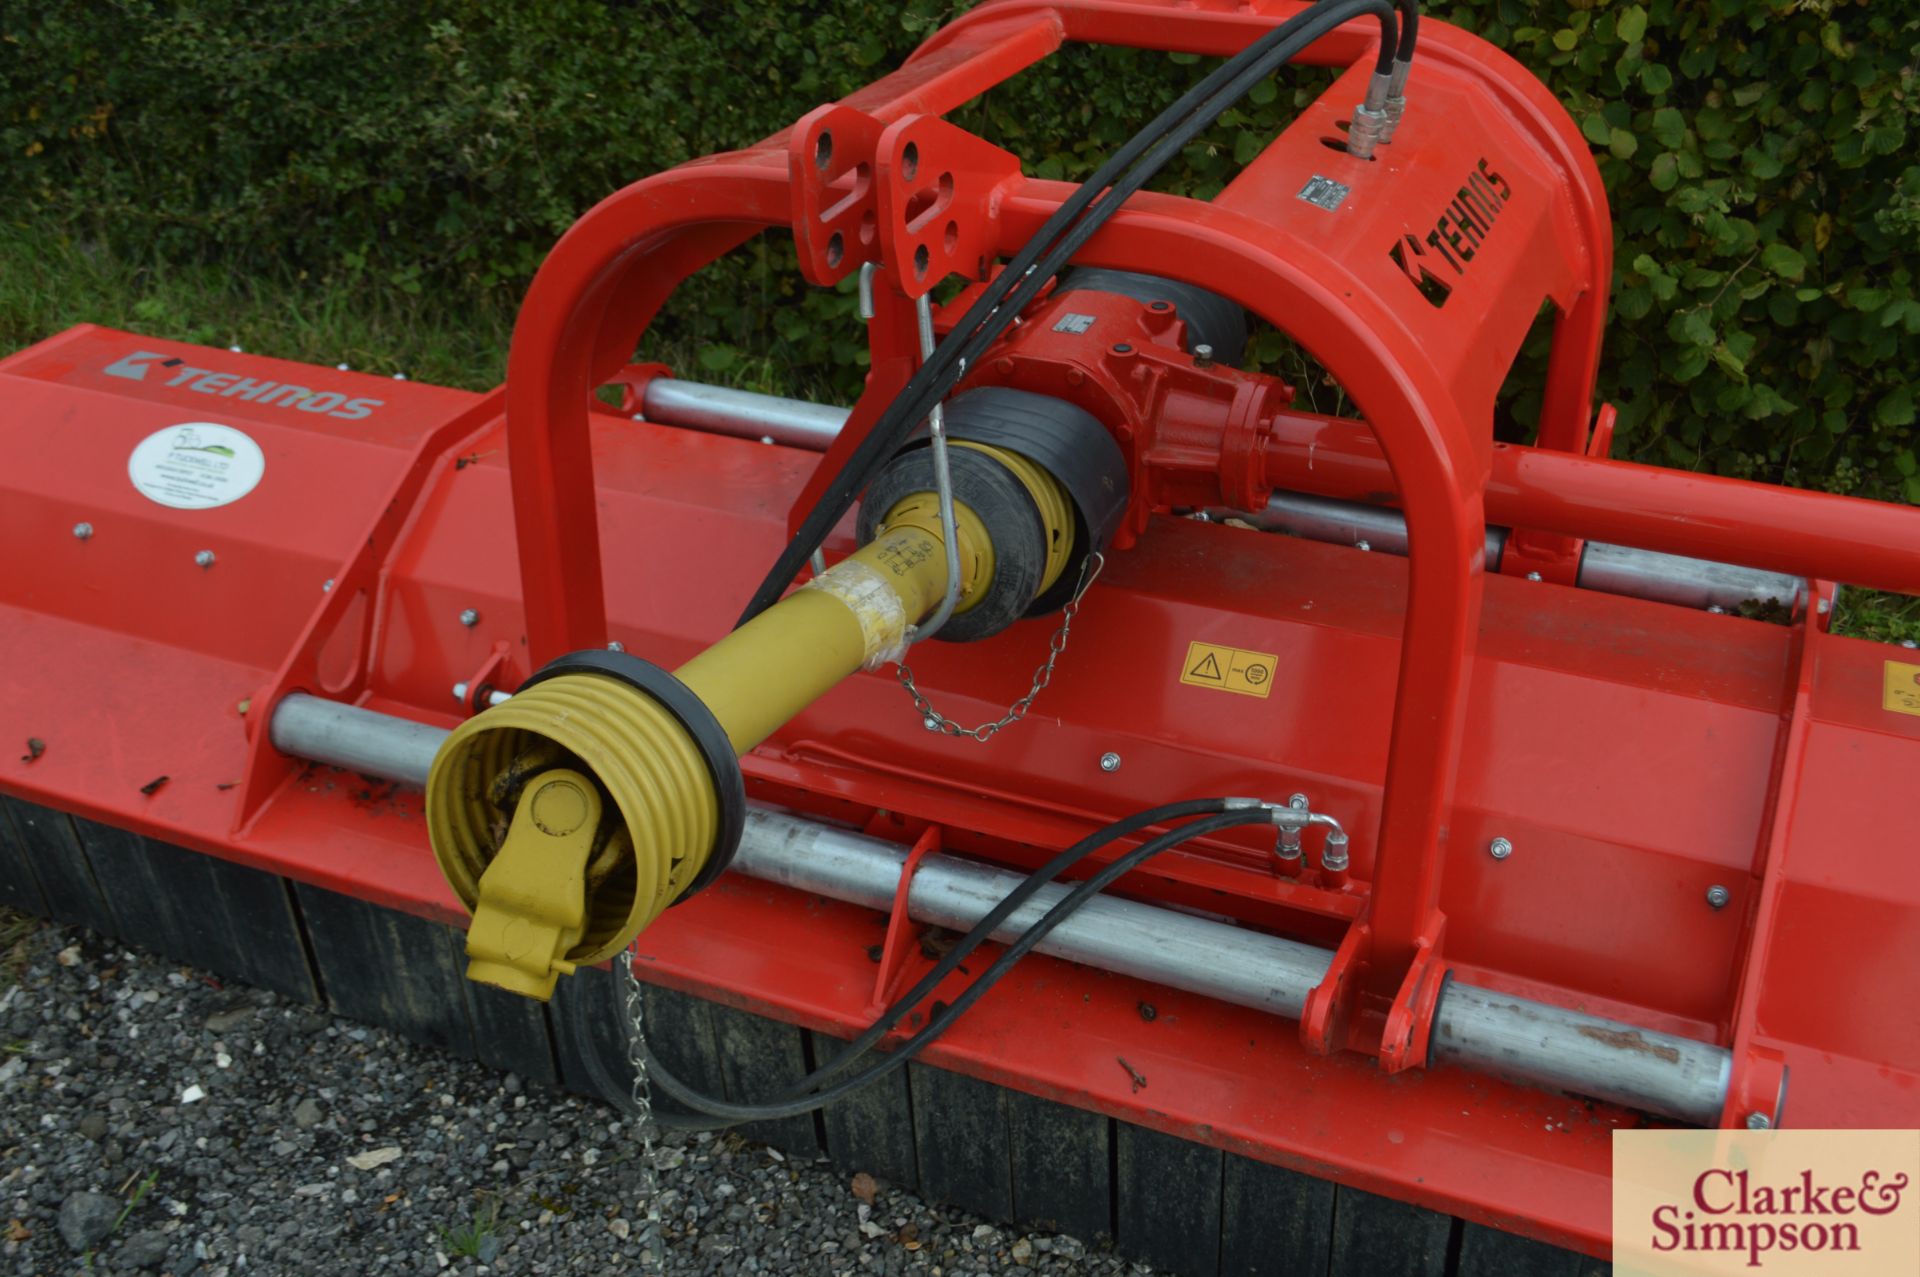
{"points": [[244, 1134], [87, 1218]]}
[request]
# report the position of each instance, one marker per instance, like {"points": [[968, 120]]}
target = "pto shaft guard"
{"points": [[675, 803]]}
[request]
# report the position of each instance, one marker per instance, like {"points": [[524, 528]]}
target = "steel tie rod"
{"points": [[1475, 1028], [1612, 569]]}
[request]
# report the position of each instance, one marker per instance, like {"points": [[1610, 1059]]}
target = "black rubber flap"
{"points": [[1211, 319], [708, 736]]}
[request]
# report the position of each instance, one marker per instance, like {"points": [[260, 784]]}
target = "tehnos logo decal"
{"points": [[229, 385], [1456, 235]]}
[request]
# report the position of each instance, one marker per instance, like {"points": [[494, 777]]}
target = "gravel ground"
{"points": [[152, 1120]]}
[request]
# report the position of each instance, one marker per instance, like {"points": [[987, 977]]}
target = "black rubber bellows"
{"points": [[1066, 441]]}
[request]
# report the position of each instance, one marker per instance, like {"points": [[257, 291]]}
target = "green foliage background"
{"points": [[1760, 155]]}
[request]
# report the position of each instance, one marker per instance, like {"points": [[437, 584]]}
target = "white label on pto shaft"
{"points": [[196, 465]]}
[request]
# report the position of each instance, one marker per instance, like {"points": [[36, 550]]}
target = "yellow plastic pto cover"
{"points": [[654, 817]]}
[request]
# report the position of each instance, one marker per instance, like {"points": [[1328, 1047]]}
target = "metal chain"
{"points": [[642, 1101], [934, 721]]}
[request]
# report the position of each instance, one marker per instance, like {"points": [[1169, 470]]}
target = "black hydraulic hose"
{"points": [[1409, 29], [804, 1101], [1042, 257], [1024, 276], [984, 929], [990, 922]]}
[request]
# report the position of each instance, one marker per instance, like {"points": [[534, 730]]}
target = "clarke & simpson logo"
{"points": [[1784, 1203], [1727, 1212]]}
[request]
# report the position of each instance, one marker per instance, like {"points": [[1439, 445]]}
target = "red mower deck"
{"points": [[1689, 822]]}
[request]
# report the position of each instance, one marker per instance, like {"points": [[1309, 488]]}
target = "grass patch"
{"points": [[50, 280], [479, 1238], [1885, 618], [15, 930], [53, 279]]}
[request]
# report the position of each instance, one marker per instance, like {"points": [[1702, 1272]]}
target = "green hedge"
{"points": [[1758, 154]]}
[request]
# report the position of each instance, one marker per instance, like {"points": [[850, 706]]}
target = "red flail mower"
{"points": [[1372, 892]]}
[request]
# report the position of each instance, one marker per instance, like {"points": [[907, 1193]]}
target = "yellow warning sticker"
{"points": [[1229, 669], [1903, 688]]}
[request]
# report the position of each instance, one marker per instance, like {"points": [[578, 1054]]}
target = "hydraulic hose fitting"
{"points": [[1369, 118], [1289, 851], [1291, 822], [1334, 858], [1396, 106]]}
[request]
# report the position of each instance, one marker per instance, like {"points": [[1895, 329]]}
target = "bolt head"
{"points": [[1533, 576], [1363, 545], [1909, 643], [1109, 762], [1718, 896], [83, 530], [204, 558], [931, 723], [326, 586], [1300, 802], [1759, 1122], [1500, 849], [470, 618], [616, 646]]}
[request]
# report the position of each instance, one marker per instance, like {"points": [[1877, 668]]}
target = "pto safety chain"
{"points": [[934, 721]]}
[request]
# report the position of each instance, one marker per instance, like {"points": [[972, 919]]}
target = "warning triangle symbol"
{"points": [[1207, 668]]}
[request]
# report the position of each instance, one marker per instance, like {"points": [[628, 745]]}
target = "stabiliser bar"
{"points": [[1668, 537], [1475, 1028]]}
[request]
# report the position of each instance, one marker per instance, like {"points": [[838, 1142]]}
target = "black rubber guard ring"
{"points": [[729, 786], [1067, 442], [1004, 506]]}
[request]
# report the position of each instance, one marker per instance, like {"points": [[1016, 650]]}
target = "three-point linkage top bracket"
{"points": [[918, 196]]}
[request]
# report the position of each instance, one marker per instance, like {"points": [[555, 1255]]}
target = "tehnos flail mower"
{"points": [[1393, 882]]}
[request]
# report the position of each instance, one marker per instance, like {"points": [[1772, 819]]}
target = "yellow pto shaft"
{"points": [[569, 816]]}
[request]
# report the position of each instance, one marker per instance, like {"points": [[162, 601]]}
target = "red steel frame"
{"points": [[1472, 740], [1425, 389], [1424, 381]]}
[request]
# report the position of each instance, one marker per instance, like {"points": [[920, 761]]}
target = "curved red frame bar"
{"points": [[608, 275]]}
